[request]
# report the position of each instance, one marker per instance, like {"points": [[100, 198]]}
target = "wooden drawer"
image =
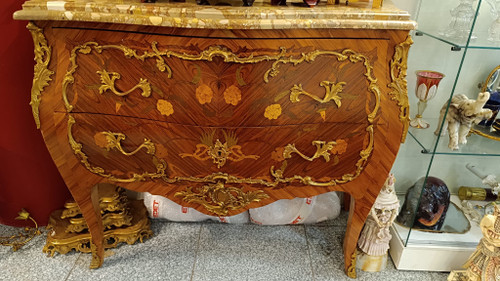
{"points": [[225, 82], [126, 149]]}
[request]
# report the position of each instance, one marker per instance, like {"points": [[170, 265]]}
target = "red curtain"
{"points": [[28, 177]]}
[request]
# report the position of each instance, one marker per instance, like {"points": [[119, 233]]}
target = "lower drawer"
{"points": [[127, 149]]}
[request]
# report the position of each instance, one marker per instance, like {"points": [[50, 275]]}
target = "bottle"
{"points": [[477, 194]]}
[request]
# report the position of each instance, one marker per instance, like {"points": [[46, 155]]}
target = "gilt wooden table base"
{"points": [[221, 120]]}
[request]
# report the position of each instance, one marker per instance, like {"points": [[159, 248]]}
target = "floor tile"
{"points": [[168, 255], [325, 246], [252, 252], [206, 251], [29, 263]]}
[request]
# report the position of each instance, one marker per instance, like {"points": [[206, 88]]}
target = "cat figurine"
{"points": [[461, 113]]}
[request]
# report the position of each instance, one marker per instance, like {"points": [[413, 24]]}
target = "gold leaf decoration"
{"points": [[332, 91], [23, 215], [164, 107], [41, 77], [85, 50], [220, 199], [204, 94], [322, 150], [351, 270], [109, 140], [232, 95], [96, 261], [273, 111], [19, 240], [218, 151], [108, 84], [398, 85], [59, 242]]}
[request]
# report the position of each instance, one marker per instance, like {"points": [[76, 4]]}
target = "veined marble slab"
{"points": [[261, 15]]}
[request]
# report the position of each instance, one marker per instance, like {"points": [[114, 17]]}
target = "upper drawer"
{"points": [[225, 82]]}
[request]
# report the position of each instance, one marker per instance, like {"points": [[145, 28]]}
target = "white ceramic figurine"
{"points": [[461, 114], [374, 240], [484, 263]]}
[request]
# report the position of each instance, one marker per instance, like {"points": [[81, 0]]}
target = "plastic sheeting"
{"points": [[298, 210], [295, 211]]}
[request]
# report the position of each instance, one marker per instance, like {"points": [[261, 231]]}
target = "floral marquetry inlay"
{"points": [[273, 111], [339, 147], [204, 94], [165, 107], [232, 95]]}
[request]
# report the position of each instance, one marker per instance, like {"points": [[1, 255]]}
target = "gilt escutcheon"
{"points": [[217, 151], [220, 199]]}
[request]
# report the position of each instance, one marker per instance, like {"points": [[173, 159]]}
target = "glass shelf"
{"points": [[426, 154], [476, 145], [457, 44], [469, 239], [435, 20]]}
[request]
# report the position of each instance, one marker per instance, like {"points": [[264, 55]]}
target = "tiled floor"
{"points": [[206, 251]]}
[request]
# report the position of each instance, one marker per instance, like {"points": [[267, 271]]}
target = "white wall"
{"points": [[407, 5]]}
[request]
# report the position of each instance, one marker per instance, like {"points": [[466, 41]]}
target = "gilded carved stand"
{"points": [[124, 220]]}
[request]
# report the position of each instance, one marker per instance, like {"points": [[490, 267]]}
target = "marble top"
{"points": [[261, 15]]}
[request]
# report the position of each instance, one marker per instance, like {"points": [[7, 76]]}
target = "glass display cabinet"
{"points": [[456, 51]]}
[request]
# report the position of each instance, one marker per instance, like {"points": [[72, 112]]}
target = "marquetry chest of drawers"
{"points": [[220, 108]]}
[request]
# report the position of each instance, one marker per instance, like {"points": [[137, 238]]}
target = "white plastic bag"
{"points": [[326, 207], [161, 207], [239, 218], [298, 210], [295, 211]]}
